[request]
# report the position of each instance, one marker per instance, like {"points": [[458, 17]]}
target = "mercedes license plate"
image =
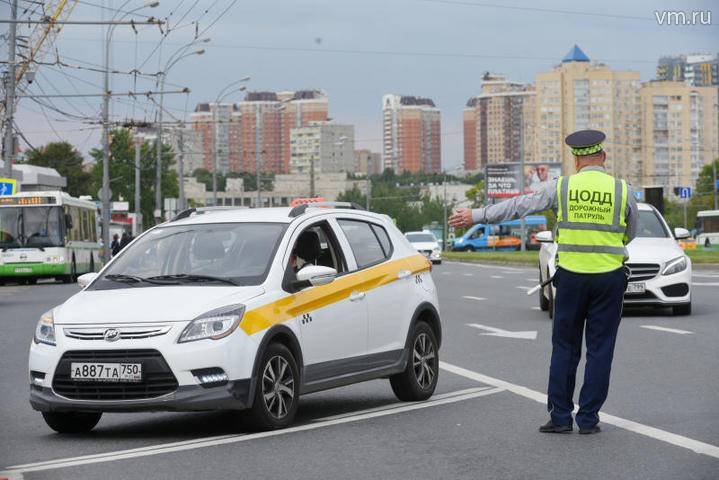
{"points": [[636, 287], [106, 372]]}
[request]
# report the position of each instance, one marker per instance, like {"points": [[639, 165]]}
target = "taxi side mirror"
{"points": [[680, 233], [86, 279], [545, 236], [315, 275]]}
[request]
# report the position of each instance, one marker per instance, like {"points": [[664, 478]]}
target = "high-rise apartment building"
{"points": [[329, 146], [698, 70], [256, 131], [579, 94], [680, 132], [498, 123], [212, 121], [368, 162], [411, 134]]}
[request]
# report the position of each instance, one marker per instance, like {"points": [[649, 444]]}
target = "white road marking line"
{"points": [[665, 329], [394, 406], [446, 273], [533, 280], [469, 297], [496, 276], [705, 275], [230, 439], [498, 332], [646, 430], [523, 287], [504, 268], [536, 308], [468, 274], [708, 284]]}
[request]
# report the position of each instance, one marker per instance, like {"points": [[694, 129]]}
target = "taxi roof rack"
{"points": [[300, 209], [200, 210]]}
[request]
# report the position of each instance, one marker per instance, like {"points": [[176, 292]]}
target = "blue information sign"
{"points": [[8, 186], [685, 192]]}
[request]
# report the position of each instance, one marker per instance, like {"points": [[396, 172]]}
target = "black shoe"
{"points": [[550, 427], [589, 430]]}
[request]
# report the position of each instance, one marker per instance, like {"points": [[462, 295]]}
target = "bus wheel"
{"points": [[469, 248], [72, 278]]}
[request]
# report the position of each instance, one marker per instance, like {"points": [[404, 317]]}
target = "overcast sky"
{"points": [[356, 51]]}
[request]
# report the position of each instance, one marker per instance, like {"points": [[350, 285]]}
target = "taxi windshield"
{"points": [[200, 254]]}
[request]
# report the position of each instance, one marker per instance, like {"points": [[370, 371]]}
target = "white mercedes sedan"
{"points": [[660, 274]]}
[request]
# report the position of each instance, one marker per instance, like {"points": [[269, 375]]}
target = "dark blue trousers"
{"points": [[596, 298]]}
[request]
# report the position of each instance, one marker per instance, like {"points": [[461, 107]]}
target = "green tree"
{"points": [[64, 158], [122, 172], [476, 194]]}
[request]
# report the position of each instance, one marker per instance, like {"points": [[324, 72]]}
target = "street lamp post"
{"points": [[178, 55], [106, 129]]}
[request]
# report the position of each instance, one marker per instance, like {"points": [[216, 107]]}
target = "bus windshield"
{"points": [[28, 227]]}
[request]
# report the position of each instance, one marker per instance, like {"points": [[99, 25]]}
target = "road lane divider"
{"points": [[437, 400], [498, 332], [470, 297], [666, 329], [629, 425]]}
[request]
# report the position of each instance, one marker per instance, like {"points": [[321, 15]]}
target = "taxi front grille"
{"points": [[640, 272], [157, 378]]}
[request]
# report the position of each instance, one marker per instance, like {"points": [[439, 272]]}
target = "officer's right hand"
{"points": [[461, 218]]}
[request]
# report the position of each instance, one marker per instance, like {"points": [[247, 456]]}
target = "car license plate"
{"points": [[636, 287], [106, 372], [23, 270]]}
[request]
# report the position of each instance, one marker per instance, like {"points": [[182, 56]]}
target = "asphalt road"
{"points": [[661, 420]]}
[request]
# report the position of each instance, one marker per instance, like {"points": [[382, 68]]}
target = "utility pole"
{"points": [[523, 225], [105, 194], [714, 182], [181, 167], [158, 161], [369, 182], [138, 201], [8, 139], [215, 147], [258, 176], [444, 224], [312, 176]]}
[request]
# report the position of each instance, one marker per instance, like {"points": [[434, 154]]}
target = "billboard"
{"points": [[504, 180]]}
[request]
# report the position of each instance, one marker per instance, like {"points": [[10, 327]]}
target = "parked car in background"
{"points": [[660, 274], [426, 243]]}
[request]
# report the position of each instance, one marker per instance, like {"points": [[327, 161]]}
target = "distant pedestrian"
{"points": [[115, 245], [596, 218], [126, 238]]}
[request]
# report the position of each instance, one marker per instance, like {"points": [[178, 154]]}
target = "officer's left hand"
{"points": [[461, 218]]}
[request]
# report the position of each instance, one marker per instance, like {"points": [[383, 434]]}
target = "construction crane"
{"points": [[39, 43]]}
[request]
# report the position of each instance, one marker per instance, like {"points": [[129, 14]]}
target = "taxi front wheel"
{"points": [[277, 392], [419, 379], [71, 422]]}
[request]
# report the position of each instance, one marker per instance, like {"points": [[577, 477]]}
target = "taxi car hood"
{"points": [[150, 304]]}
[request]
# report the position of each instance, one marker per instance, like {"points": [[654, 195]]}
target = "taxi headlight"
{"points": [[45, 330], [214, 324], [675, 266]]}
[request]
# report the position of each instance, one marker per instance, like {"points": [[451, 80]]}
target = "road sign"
{"points": [[716, 183], [684, 192], [8, 186]]}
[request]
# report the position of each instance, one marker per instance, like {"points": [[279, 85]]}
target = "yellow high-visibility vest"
{"points": [[591, 222]]}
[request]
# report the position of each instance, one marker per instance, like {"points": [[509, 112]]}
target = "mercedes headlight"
{"points": [[675, 266], [45, 330], [214, 324]]}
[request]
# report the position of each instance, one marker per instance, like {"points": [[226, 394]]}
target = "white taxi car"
{"points": [[660, 274], [426, 243], [240, 310]]}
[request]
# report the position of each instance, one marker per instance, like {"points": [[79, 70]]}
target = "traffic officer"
{"points": [[596, 218]]}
